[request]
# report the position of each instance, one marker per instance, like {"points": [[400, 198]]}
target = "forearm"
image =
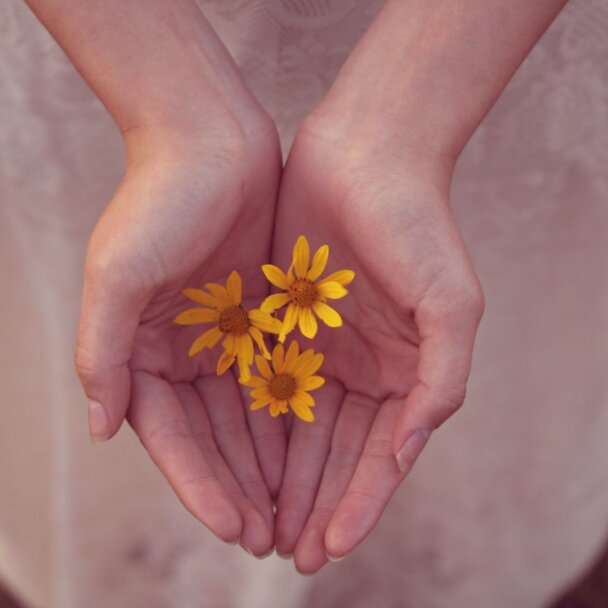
{"points": [[427, 72], [149, 61]]}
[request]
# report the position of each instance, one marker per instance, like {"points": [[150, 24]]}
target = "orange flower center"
{"points": [[282, 386], [234, 320], [303, 292]]}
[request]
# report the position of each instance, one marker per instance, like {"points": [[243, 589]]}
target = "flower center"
{"points": [[282, 386], [303, 292], [234, 320]]}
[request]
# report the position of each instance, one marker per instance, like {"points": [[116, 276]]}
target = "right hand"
{"points": [[192, 207]]}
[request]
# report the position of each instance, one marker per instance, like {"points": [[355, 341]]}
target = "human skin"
{"points": [[196, 202], [370, 173]]}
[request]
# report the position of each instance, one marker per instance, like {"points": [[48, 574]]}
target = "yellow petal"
{"points": [[220, 293], [257, 382], [229, 344], [301, 410], [264, 321], [275, 275], [289, 322], [308, 323], [301, 257], [202, 297], [244, 348], [319, 261], [234, 286], [197, 315], [344, 277], [256, 405], [225, 361], [278, 358], [207, 340], [307, 364], [262, 393], [311, 383], [263, 367], [275, 408], [292, 356], [332, 289], [304, 398], [327, 314], [256, 334], [274, 302]]}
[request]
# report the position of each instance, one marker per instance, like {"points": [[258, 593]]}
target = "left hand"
{"points": [[399, 365]]}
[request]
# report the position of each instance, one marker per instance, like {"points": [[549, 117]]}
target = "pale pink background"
{"points": [[510, 500]]}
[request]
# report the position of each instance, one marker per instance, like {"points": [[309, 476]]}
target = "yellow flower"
{"points": [[304, 293], [288, 382], [237, 326]]}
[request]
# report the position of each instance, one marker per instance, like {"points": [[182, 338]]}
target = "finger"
{"points": [[159, 420], [352, 427], [269, 437], [108, 322], [376, 478], [444, 363], [255, 538], [222, 400], [306, 454]]}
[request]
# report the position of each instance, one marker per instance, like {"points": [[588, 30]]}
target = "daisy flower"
{"points": [[304, 292], [286, 385], [238, 327]]}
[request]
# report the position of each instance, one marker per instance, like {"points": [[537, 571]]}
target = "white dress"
{"points": [[509, 502]]}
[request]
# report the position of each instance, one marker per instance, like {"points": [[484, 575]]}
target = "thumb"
{"points": [[445, 354], [108, 322]]}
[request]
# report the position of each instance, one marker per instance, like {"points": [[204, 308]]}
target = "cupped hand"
{"points": [[398, 366], [191, 208]]}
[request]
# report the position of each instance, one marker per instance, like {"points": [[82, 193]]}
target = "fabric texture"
{"points": [[509, 501]]}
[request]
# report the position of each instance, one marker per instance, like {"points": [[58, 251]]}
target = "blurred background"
{"points": [[507, 507]]}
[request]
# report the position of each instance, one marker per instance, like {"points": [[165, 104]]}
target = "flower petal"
{"points": [[300, 409], [256, 334], [261, 393], [225, 361], [344, 277], [332, 289], [263, 367], [307, 364], [220, 293], [292, 355], [276, 407], [301, 257], [275, 275], [258, 404], [319, 261], [234, 286], [207, 340], [197, 315], [274, 302], [244, 348], [308, 323], [257, 382], [289, 322], [311, 383], [278, 358], [305, 398], [202, 297], [263, 321], [229, 344], [327, 314]]}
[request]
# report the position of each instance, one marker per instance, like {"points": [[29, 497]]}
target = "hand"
{"points": [[191, 208], [398, 366]]}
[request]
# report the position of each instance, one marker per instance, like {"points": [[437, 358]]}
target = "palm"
{"points": [[370, 222], [192, 422]]}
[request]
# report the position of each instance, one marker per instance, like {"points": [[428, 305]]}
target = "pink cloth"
{"points": [[509, 501]]}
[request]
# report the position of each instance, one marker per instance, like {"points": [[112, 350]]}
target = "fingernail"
{"points": [[99, 422], [411, 449], [335, 558]]}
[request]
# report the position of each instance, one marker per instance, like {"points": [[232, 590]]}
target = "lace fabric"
{"points": [[507, 504]]}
